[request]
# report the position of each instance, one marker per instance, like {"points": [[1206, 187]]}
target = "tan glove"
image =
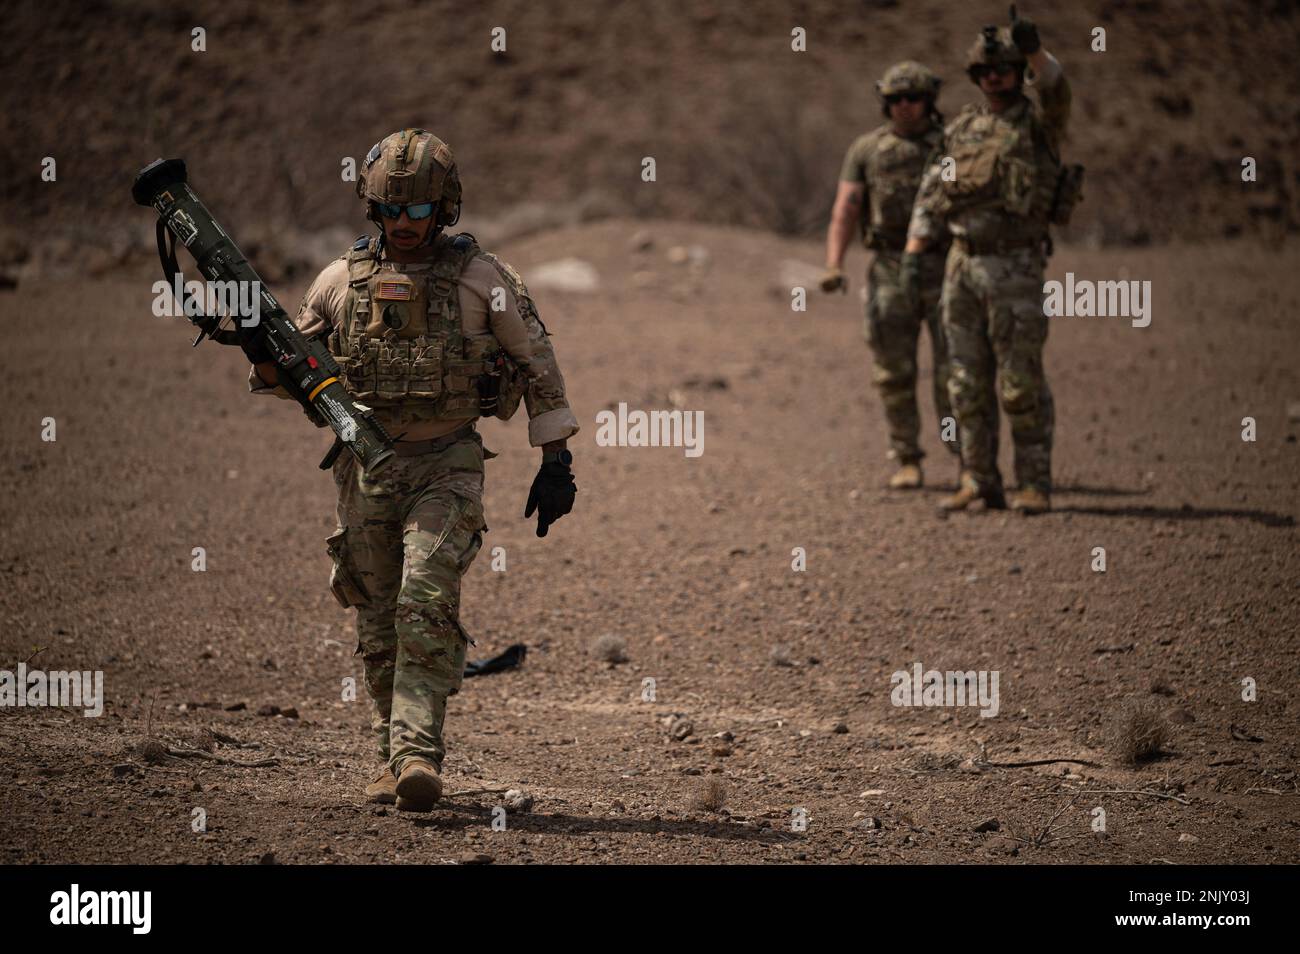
{"points": [[834, 280]]}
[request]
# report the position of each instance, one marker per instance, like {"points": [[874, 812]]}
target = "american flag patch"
{"points": [[394, 291]]}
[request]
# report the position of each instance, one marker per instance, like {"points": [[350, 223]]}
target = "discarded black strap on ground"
{"points": [[509, 659]]}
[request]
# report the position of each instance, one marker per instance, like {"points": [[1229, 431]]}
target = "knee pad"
{"points": [[1019, 392], [896, 377], [963, 389]]}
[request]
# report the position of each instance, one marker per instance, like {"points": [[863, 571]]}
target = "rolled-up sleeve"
{"points": [[549, 416]]}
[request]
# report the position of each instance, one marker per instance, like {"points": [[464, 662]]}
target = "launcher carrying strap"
{"points": [[209, 325]]}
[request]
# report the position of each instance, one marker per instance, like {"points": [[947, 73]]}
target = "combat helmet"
{"points": [[409, 167], [908, 76], [994, 46]]}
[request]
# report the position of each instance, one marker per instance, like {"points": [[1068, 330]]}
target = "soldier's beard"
{"points": [[1002, 99], [912, 127]]}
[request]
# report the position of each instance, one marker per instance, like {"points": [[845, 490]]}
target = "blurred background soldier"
{"points": [[432, 332], [878, 184], [1003, 186]]}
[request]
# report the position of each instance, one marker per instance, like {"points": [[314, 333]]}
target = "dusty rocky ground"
{"points": [[774, 683]]}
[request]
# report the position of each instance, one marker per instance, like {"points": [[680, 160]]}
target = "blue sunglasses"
{"points": [[415, 213]]}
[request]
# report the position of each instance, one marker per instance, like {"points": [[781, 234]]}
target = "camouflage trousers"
{"points": [[405, 539], [892, 331], [994, 322]]}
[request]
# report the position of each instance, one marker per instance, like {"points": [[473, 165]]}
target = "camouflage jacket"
{"points": [[997, 174]]}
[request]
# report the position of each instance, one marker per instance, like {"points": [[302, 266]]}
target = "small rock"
{"points": [[236, 707], [840, 729], [289, 713], [268, 710], [566, 275], [474, 858], [871, 823], [988, 824], [1180, 715], [518, 800], [681, 729], [267, 859], [1001, 845], [721, 751], [123, 768], [1187, 839]]}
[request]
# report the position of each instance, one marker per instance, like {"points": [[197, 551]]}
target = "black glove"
{"points": [[1024, 34], [551, 494], [909, 280]]}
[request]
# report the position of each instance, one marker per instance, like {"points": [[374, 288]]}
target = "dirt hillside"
{"points": [[744, 130]]}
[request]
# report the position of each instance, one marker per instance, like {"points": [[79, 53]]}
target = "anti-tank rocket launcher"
{"points": [[304, 367]]}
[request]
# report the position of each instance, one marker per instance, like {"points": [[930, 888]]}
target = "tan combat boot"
{"points": [[1030, 500], [968, 491], [383, 790], [418, 787], [907, 477]]}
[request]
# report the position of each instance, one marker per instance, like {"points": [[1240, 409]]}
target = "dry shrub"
{"points": [[711, 796], [1138, 733], [611, 649]]}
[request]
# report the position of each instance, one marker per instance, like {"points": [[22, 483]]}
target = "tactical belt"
{"points": [[935, 250], [995, 248], [415, 448]]}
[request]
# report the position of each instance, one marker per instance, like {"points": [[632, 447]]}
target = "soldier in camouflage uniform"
{"points": [[878, 183], [425, 327], [1000, 191]]}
